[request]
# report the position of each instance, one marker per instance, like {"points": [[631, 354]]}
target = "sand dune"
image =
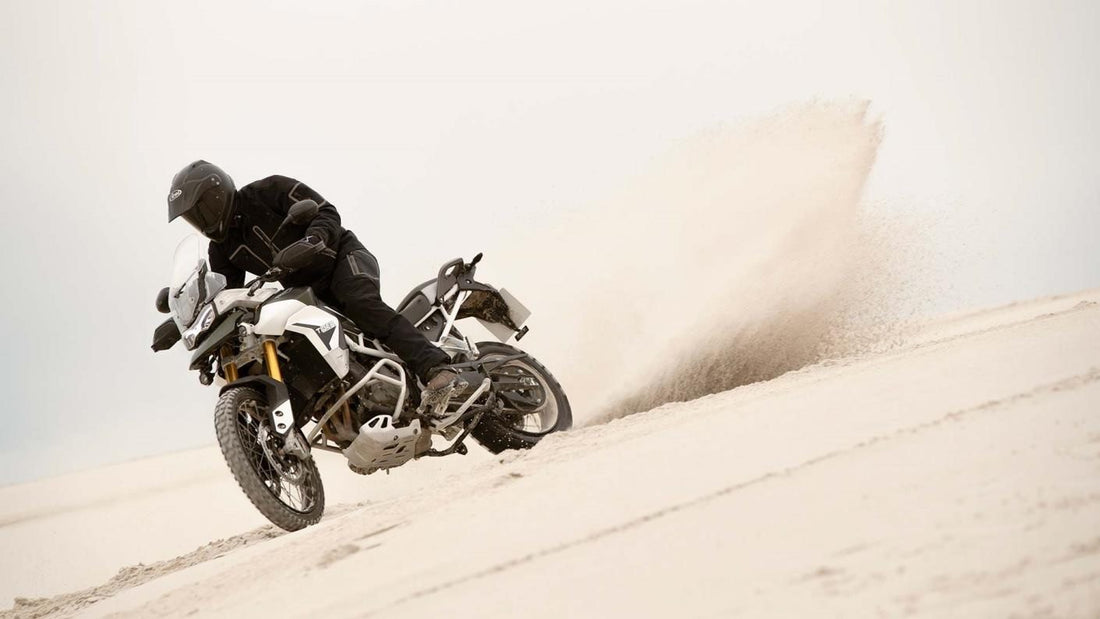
{"points": [[952, 476]]}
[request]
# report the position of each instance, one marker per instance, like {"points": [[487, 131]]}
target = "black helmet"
{"points": [[203, 194]]}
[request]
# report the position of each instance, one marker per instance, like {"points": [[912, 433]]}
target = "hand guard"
{"points": [[300, 253]]}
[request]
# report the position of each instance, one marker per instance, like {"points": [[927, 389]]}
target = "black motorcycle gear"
{"points": [[203, 194], [354, 288], [299, 254], [323, 256]]}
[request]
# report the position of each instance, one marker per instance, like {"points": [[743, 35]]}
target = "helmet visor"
{"points": [[208, 213]]}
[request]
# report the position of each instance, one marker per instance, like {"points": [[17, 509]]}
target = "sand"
{"points": [[956, 475]]}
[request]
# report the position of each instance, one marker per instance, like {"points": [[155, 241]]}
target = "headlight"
{"points": [[205, 319]]}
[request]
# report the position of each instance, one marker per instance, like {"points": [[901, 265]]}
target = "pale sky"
{"points": [[437, 127]]}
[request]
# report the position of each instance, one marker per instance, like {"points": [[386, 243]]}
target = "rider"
{"points": [[243, 226]]}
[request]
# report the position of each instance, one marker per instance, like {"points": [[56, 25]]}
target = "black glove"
{"points": [[300, 253]]}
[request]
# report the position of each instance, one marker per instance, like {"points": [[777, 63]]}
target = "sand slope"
{"points": [[957, 476]]}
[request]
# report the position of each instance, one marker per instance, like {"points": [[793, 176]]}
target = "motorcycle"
{"points": [[296, 375]]}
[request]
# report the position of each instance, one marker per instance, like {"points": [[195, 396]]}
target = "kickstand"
{"points": [[457, 446]]}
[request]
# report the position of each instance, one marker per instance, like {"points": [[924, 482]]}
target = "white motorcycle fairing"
{"points": [[239, 297], [321, 328]]}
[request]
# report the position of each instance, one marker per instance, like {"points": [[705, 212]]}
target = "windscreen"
{"points": [[189, 253], [183, 292]]}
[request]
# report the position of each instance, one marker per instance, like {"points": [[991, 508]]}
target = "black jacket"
{"points": [[259, 209]]}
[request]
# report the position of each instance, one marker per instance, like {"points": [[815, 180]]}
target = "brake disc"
{"points": [[286, 470]]}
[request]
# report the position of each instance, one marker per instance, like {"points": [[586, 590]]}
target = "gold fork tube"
{"points": [[230, 368], [271, 359]]}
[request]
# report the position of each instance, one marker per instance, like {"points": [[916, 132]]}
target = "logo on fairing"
{"points": [[175, 194], [327, 333]]}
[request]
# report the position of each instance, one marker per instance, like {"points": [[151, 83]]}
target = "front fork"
{"points": [[228, 367], [271, 362], [282, 417]]}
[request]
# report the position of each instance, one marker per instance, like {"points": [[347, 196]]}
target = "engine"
{"points": [[377, 398], [374, 399]]}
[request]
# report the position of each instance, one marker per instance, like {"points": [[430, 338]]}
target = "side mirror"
{"points": [[302, 212], [162, 301]]}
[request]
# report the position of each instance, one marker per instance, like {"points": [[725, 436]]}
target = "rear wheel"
{"points": [[534, 402], [285, 488]]}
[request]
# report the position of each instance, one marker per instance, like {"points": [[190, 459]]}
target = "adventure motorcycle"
{"points": [[299, 376]]}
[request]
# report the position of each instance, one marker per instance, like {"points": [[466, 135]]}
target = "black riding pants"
{"points": [[354, 289]]}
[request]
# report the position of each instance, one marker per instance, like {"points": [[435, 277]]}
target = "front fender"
{"points": [[278, 399]]}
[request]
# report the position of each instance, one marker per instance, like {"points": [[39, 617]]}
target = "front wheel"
{"points": [[534, 402], [285, 488]]}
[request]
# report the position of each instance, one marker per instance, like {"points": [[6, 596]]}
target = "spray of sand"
{"points": [[742, 254]]}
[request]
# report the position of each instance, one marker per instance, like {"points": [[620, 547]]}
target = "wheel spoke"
{"points": [[529, 405], [271, 466]]}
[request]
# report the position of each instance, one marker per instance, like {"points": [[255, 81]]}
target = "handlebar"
{"points": [[272, 274]]}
